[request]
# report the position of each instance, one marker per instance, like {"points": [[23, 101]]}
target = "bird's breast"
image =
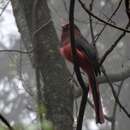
{"points": [[66, 52]]}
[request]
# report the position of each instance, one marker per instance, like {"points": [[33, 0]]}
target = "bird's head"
{"points": [[66, 32]]}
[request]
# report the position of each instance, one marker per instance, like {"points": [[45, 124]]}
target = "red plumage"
{"points": [[87, 58]]}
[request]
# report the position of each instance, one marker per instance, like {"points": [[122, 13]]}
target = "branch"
{"points": [[113, 14], [101, 20], [76, 67], [17, 51], [77, 92], [127, 5], [5, 121], [114, 93], [113, 77], [89, 102], [91, 23], [113, 45], [4, 8], [22, 24], [115, 107]]}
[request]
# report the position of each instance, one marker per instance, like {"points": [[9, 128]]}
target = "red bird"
{"points": [[87, 58]]}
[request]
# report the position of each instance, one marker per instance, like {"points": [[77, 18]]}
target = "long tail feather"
{"points": [[96, 96]]}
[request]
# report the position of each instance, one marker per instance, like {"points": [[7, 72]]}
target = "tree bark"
{"points": [[57, 92]]}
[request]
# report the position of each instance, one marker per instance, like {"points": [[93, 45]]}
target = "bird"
{"points": [[88, 61]]}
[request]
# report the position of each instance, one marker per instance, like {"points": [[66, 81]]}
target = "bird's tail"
{"points": [[94, 88]]}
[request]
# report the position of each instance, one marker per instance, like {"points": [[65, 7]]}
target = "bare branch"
{"points": [[17, 51], [113, 77], [115, 107], [101, 20], [127, 5], [113, 45], [114, 93], [91, 23], [5, 121], [76, 67], [105, 25], [4, 8]]}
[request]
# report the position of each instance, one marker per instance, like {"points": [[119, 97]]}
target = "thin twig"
{"points": [[65, 6], [20, 62], [115, 107], [113, 45], [91, 23], [105, 25], [114, 94], [4, 8], [41, 27], [101, 20], [17, 51]]}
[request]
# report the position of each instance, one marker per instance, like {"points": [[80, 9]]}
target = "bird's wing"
{"points": [[82, 44]]}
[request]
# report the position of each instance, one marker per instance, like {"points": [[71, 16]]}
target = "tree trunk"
{"points": [[33, 20]]}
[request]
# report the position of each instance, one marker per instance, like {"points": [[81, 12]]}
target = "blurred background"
{"points": [[17, 78]]}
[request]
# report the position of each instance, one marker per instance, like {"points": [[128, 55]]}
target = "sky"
{"points": [[8, 27]]}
